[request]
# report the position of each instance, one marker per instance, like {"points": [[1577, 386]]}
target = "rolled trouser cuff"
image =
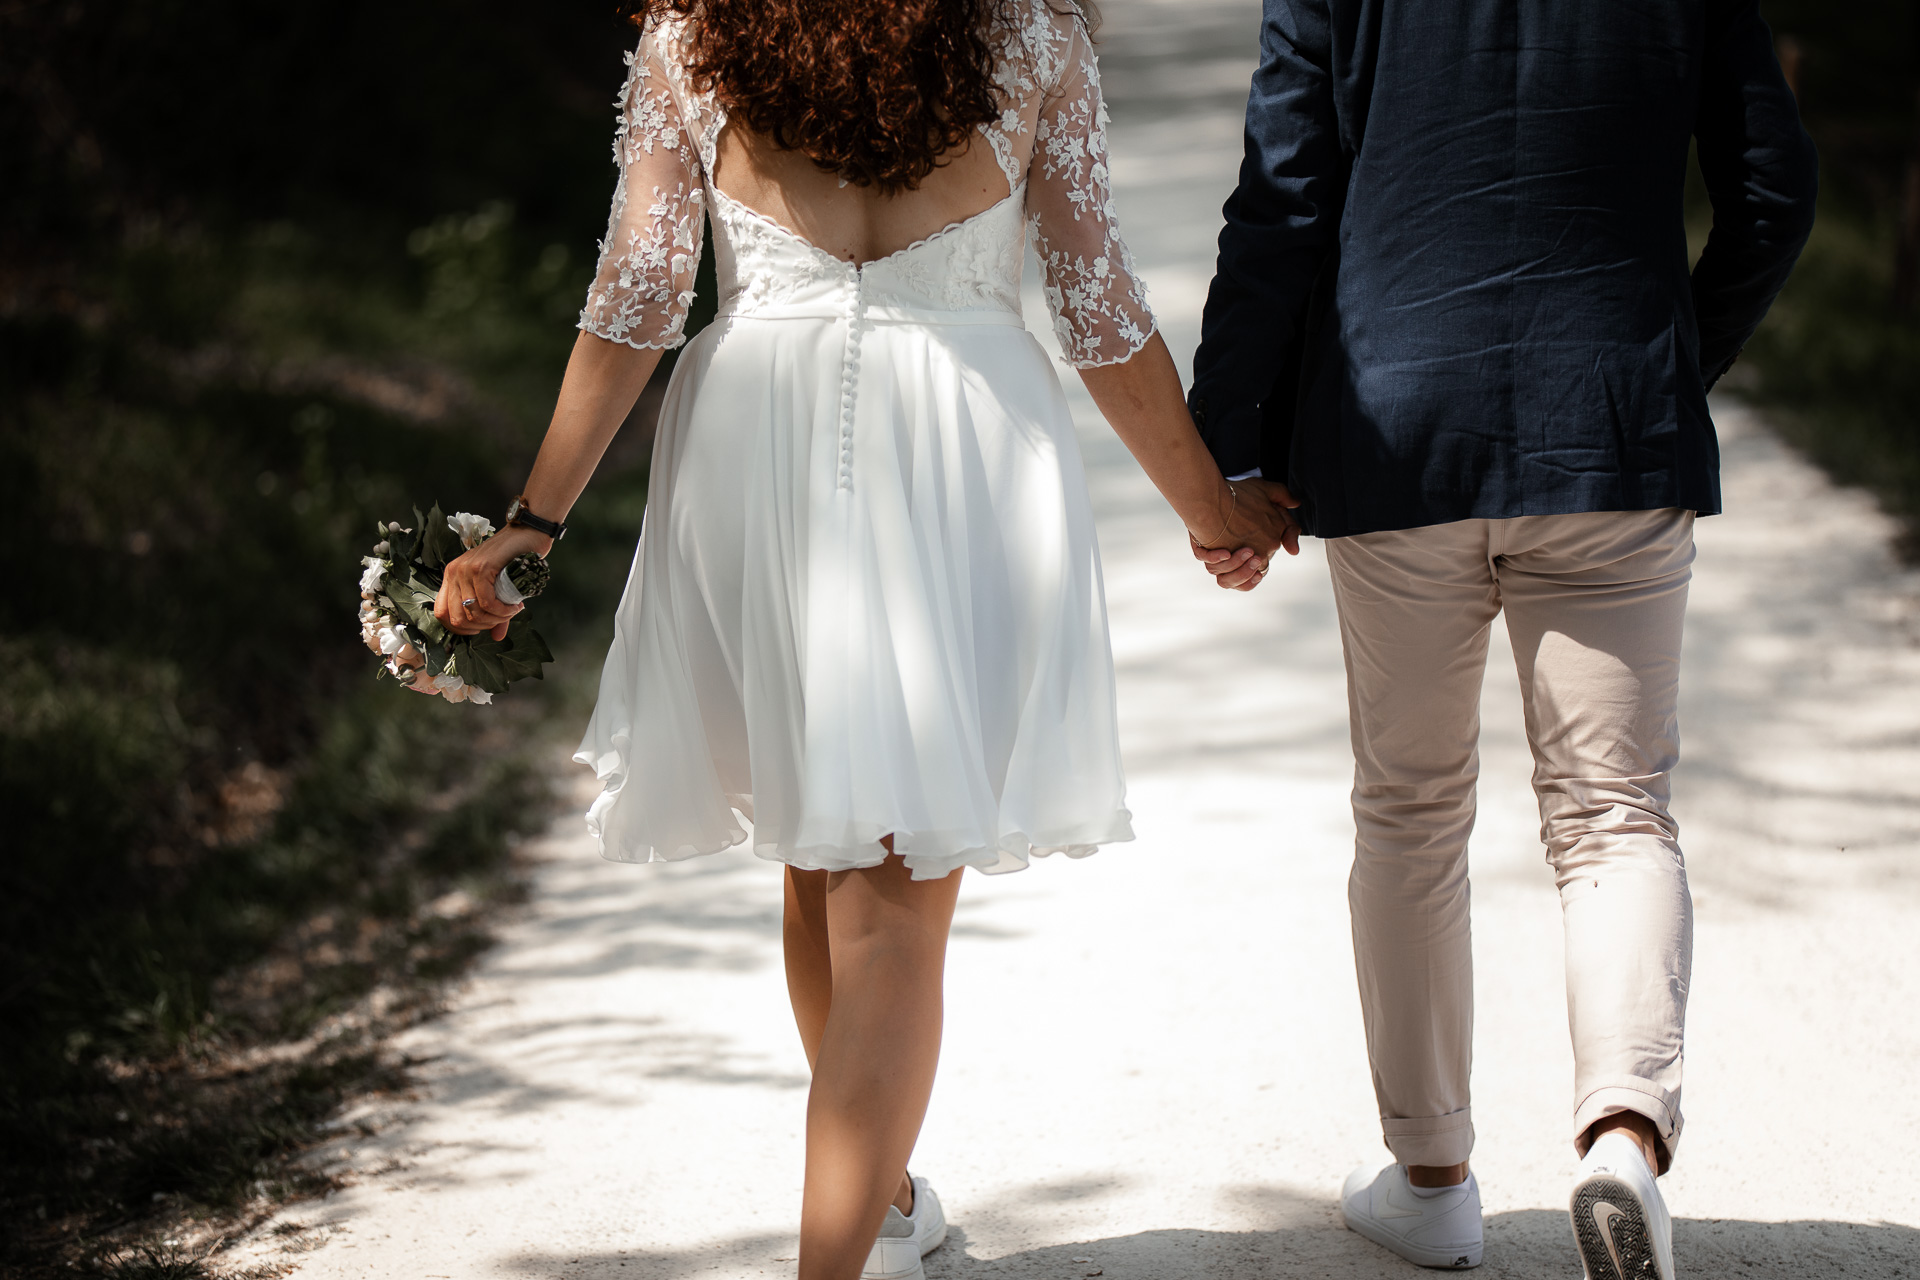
{"points": [[1641, 1097], [1437, 1141]]}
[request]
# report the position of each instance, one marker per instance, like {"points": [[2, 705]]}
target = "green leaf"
{"points": [[519, 666], [521, 632], [419, 612], [421, 591], [484, 666], [439, 543]]}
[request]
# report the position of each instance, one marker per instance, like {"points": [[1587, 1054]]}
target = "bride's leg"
{"points": [[810, 973], [873, 1069], [803, 934]]}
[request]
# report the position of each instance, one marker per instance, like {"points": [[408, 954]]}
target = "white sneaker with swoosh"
{"points": [[1440, 1230], [1620, 1220]]}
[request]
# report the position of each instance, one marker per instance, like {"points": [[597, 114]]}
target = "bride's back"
{"points": [[854, 224], [858, 95], [856, 139]]}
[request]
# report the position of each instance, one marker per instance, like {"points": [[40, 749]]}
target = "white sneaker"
{"points": [[1440, 1230], [906, 1238], [1620, 1221]]}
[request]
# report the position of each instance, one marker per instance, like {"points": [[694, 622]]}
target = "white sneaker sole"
{"points": [[915, 1272], [1610, 1229], [1438, 1260]]}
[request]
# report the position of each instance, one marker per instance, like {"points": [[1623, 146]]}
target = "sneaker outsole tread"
{"points": [[1610, 1228]]}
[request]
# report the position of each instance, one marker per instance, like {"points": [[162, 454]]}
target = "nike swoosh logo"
{"points": [[1603, 1216], [1393, 1208]]}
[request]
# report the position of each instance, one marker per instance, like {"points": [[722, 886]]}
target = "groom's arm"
{"points": [[1280, 222], [1761, 173]]}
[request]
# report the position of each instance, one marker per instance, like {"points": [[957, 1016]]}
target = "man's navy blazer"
{"points": [[1453, 280]]}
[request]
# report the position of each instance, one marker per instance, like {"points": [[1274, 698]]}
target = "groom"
{"points": [[1453, 314]]}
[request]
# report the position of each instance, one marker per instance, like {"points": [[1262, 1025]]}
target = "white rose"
{"points": [[454, 689], [374, 577], [471, 528], [393, 639]]}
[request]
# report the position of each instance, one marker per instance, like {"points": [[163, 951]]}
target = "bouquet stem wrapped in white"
{"points": [[396, 611]]}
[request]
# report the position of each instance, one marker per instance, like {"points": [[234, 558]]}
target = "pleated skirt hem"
{"points": [[929, 855]]}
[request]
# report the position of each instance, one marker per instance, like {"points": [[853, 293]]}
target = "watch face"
{"points": [[514, 508]]}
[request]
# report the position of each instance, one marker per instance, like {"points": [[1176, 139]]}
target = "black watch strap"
{"points": [[518, 513]]}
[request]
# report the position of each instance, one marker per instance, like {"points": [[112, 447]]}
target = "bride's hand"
{"points": [[466, 603], [1261, 520]]}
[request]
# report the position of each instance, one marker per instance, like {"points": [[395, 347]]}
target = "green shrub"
{"points": [[1845, 367], [224, 832]]}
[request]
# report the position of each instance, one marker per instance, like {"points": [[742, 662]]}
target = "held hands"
{"points": [[1258, 520], [466, 602]]}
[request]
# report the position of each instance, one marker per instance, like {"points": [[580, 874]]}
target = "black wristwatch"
{"points": [[517, 513]]}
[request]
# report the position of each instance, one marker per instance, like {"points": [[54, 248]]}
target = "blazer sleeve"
{"points": [[1761, 174], [1281, 221]]}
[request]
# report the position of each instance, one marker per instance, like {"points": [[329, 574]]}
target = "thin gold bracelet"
{"points": [[1233, 504]]}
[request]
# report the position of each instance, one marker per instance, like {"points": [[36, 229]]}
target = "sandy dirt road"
{"points": [[1154, 1065]]}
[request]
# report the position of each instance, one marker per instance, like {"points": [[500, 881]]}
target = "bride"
{"points": [[865, 627]]}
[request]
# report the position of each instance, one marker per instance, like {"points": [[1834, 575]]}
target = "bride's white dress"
{"points": [[867, 600]]}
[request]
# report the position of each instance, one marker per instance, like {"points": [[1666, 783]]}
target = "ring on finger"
{"points": [[468, 604]]}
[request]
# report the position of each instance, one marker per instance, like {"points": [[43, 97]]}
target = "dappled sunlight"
{"points": [[1154, 1065]]}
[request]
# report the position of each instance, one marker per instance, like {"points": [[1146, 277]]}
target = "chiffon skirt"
{"points": [[867, 602]]}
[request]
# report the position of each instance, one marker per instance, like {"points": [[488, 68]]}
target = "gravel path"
{"points": [[1154, 1065]]}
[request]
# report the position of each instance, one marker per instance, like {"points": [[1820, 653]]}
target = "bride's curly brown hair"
{"points": [[877, 91]]}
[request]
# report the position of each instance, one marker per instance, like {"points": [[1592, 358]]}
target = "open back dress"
{"points": [[867, 600]]}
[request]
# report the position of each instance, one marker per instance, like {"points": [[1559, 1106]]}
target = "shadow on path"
{"points": [[1306, 1240]]}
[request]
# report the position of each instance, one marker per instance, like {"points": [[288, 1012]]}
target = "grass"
{"points": [[236, 864], [189, 1044], [241, 317]]}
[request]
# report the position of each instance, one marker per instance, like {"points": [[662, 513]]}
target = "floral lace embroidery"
{"points": [[756, 241], [1091, 285], [1051, 136], [983, 268], [644, 283]]}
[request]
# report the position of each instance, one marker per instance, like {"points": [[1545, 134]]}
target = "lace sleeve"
{"points": [[1099, 305], [644, 283]]}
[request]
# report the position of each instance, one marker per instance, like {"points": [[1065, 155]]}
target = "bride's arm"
{"points": [[1140, 398], [602, 382], [636, 309], [1107, 331]]}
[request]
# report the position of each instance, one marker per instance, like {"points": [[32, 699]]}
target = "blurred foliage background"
{"points": [[268, 273], [1838, 360]]}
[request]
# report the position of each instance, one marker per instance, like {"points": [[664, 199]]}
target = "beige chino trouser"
{"points": [[1594, 605]]}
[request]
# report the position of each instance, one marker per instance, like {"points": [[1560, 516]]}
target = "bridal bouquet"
{"points": [[396, 611]]}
